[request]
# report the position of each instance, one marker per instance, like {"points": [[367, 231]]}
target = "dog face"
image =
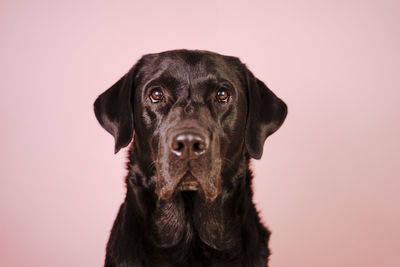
{"points": [[193, 113]]}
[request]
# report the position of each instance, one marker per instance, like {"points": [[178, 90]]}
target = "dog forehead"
{"points": [[189, 66]]}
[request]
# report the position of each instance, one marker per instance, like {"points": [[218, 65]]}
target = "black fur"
{"points": [[189, 203]]}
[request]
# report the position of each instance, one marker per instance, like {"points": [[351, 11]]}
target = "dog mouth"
{"points": [[193, 176], [188, 183]]}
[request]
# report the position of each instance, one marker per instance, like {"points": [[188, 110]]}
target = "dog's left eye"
{"points": [[223, 95], [156, 95]]}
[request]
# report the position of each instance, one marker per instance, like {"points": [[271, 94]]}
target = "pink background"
{"points": [[328, 185]]}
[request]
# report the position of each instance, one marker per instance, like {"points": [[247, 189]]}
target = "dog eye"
{"points": [[156, 95], [223, 95]]}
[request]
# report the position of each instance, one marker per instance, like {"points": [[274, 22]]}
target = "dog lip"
{"points": [[188, 183]]}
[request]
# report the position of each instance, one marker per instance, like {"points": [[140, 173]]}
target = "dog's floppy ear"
{"points": [[266, 113], [113, 110]]}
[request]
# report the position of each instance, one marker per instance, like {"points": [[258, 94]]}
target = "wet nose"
{"points": [[189, 145]]}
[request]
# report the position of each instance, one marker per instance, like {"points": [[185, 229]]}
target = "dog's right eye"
{"points": [[156, 95], [223, 95]]}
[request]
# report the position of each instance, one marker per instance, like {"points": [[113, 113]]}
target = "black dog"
{"points": [[198, 117]]}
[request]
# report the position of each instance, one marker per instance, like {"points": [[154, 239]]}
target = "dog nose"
{"points": [[189, 145]]}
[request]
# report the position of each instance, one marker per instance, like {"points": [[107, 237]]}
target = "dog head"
{"points": [[193, 113]]}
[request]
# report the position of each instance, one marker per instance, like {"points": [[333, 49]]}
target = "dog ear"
{"points": [[266, 113], [113, 110]]}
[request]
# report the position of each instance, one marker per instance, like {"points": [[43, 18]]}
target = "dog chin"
{"points": [[188, 183]]}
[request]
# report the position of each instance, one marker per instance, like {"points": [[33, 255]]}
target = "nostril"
{"points": [[199, 147], [178, 146]]}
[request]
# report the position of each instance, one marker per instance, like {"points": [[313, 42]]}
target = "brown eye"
{"points": [[223, 95], [156, 95]]}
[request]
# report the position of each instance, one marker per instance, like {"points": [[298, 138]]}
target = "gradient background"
{"points": [[328, 185]]}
